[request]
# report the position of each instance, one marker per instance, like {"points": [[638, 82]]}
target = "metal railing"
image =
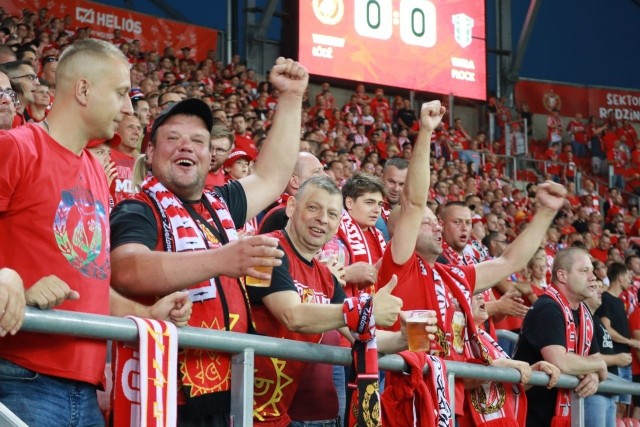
{"points": [[244, 347]]}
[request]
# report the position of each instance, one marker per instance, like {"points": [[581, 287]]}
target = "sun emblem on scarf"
{"points": [[264, 387]]}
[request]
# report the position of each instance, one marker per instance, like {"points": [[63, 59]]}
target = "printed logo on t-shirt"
{"points": [[81, 230], [309, 295]]}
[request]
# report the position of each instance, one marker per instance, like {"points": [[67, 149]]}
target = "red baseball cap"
{"points": [[236, 155]]}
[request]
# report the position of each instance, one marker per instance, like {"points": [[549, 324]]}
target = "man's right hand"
{"points": [[623, 359], [49, 292], [238, 258], [12, 302], [386, 307]]}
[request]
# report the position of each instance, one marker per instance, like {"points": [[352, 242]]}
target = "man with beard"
{"points": [[176, 234], [416, 243], [394, 176]]}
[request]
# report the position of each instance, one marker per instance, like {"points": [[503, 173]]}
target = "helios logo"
{"points": [[86, 16]]}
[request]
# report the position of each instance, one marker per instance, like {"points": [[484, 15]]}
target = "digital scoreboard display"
{"points": [[426, 45]]}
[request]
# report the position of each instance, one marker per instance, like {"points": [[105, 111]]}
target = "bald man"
{"points": [[54, 202], [307, 166]]}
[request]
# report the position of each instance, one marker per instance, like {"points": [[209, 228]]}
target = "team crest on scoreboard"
{"points": [[329, 12], [462, 26]]}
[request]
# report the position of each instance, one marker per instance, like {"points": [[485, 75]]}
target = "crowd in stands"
{"points": [[340, 191]]}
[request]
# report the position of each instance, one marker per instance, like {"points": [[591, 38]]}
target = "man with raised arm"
{"points": [[416, 243], [177, 235]]}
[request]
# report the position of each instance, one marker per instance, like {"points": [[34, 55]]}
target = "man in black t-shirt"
{"points": [[600, 408], [544, 336], [175, 235], [613, 314]]}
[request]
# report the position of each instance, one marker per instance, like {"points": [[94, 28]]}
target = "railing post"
{"points": [[451, 380], [242, 366], [577, 410]]}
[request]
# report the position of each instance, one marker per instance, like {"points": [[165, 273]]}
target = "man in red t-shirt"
{"points": [[578, 133], [305, 300], [416, 243], [124, 146], [54, 203], [243, 140]]}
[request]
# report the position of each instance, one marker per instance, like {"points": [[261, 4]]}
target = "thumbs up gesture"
{"points": [[386, 307]]}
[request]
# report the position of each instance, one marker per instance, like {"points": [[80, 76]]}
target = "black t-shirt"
{"points": [[601, 335], [133, 221], [544, 325], [281, 280], [407, 116], [613, 309]]}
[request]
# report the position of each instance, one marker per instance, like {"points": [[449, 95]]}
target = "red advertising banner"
{"points": [[428, 45], [543, 97], [154, 33]]}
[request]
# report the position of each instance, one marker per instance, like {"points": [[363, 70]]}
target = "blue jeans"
{"points": [[42, 401], [624, 372], [599, 411]]}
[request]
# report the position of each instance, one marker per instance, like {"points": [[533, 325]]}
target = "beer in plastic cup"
{"points": [[416, 333], [261, 283]]}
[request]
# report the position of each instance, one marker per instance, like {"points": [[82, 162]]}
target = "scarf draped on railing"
{"points": [[496, 404], [145, 376]]}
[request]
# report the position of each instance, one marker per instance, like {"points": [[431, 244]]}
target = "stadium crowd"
{"points": [[136, 175]]}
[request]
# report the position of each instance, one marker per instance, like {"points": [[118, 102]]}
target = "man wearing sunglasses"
{"points": [[24, 81]]}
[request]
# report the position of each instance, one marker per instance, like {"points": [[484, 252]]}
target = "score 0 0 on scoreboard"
{"points": [[426, 45]]}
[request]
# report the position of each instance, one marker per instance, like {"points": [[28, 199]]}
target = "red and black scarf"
{"points": [[363, 398]]}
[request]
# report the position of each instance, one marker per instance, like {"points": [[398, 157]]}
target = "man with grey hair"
{"points": [[54, 202]]}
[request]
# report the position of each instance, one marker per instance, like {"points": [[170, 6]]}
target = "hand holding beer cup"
{"points": [[262, 265], [421, 329]]}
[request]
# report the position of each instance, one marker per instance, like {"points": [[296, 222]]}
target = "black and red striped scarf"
{"points": [[363, 397]]}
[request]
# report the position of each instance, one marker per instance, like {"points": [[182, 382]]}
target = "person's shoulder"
{"points": [[545, 304]]}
